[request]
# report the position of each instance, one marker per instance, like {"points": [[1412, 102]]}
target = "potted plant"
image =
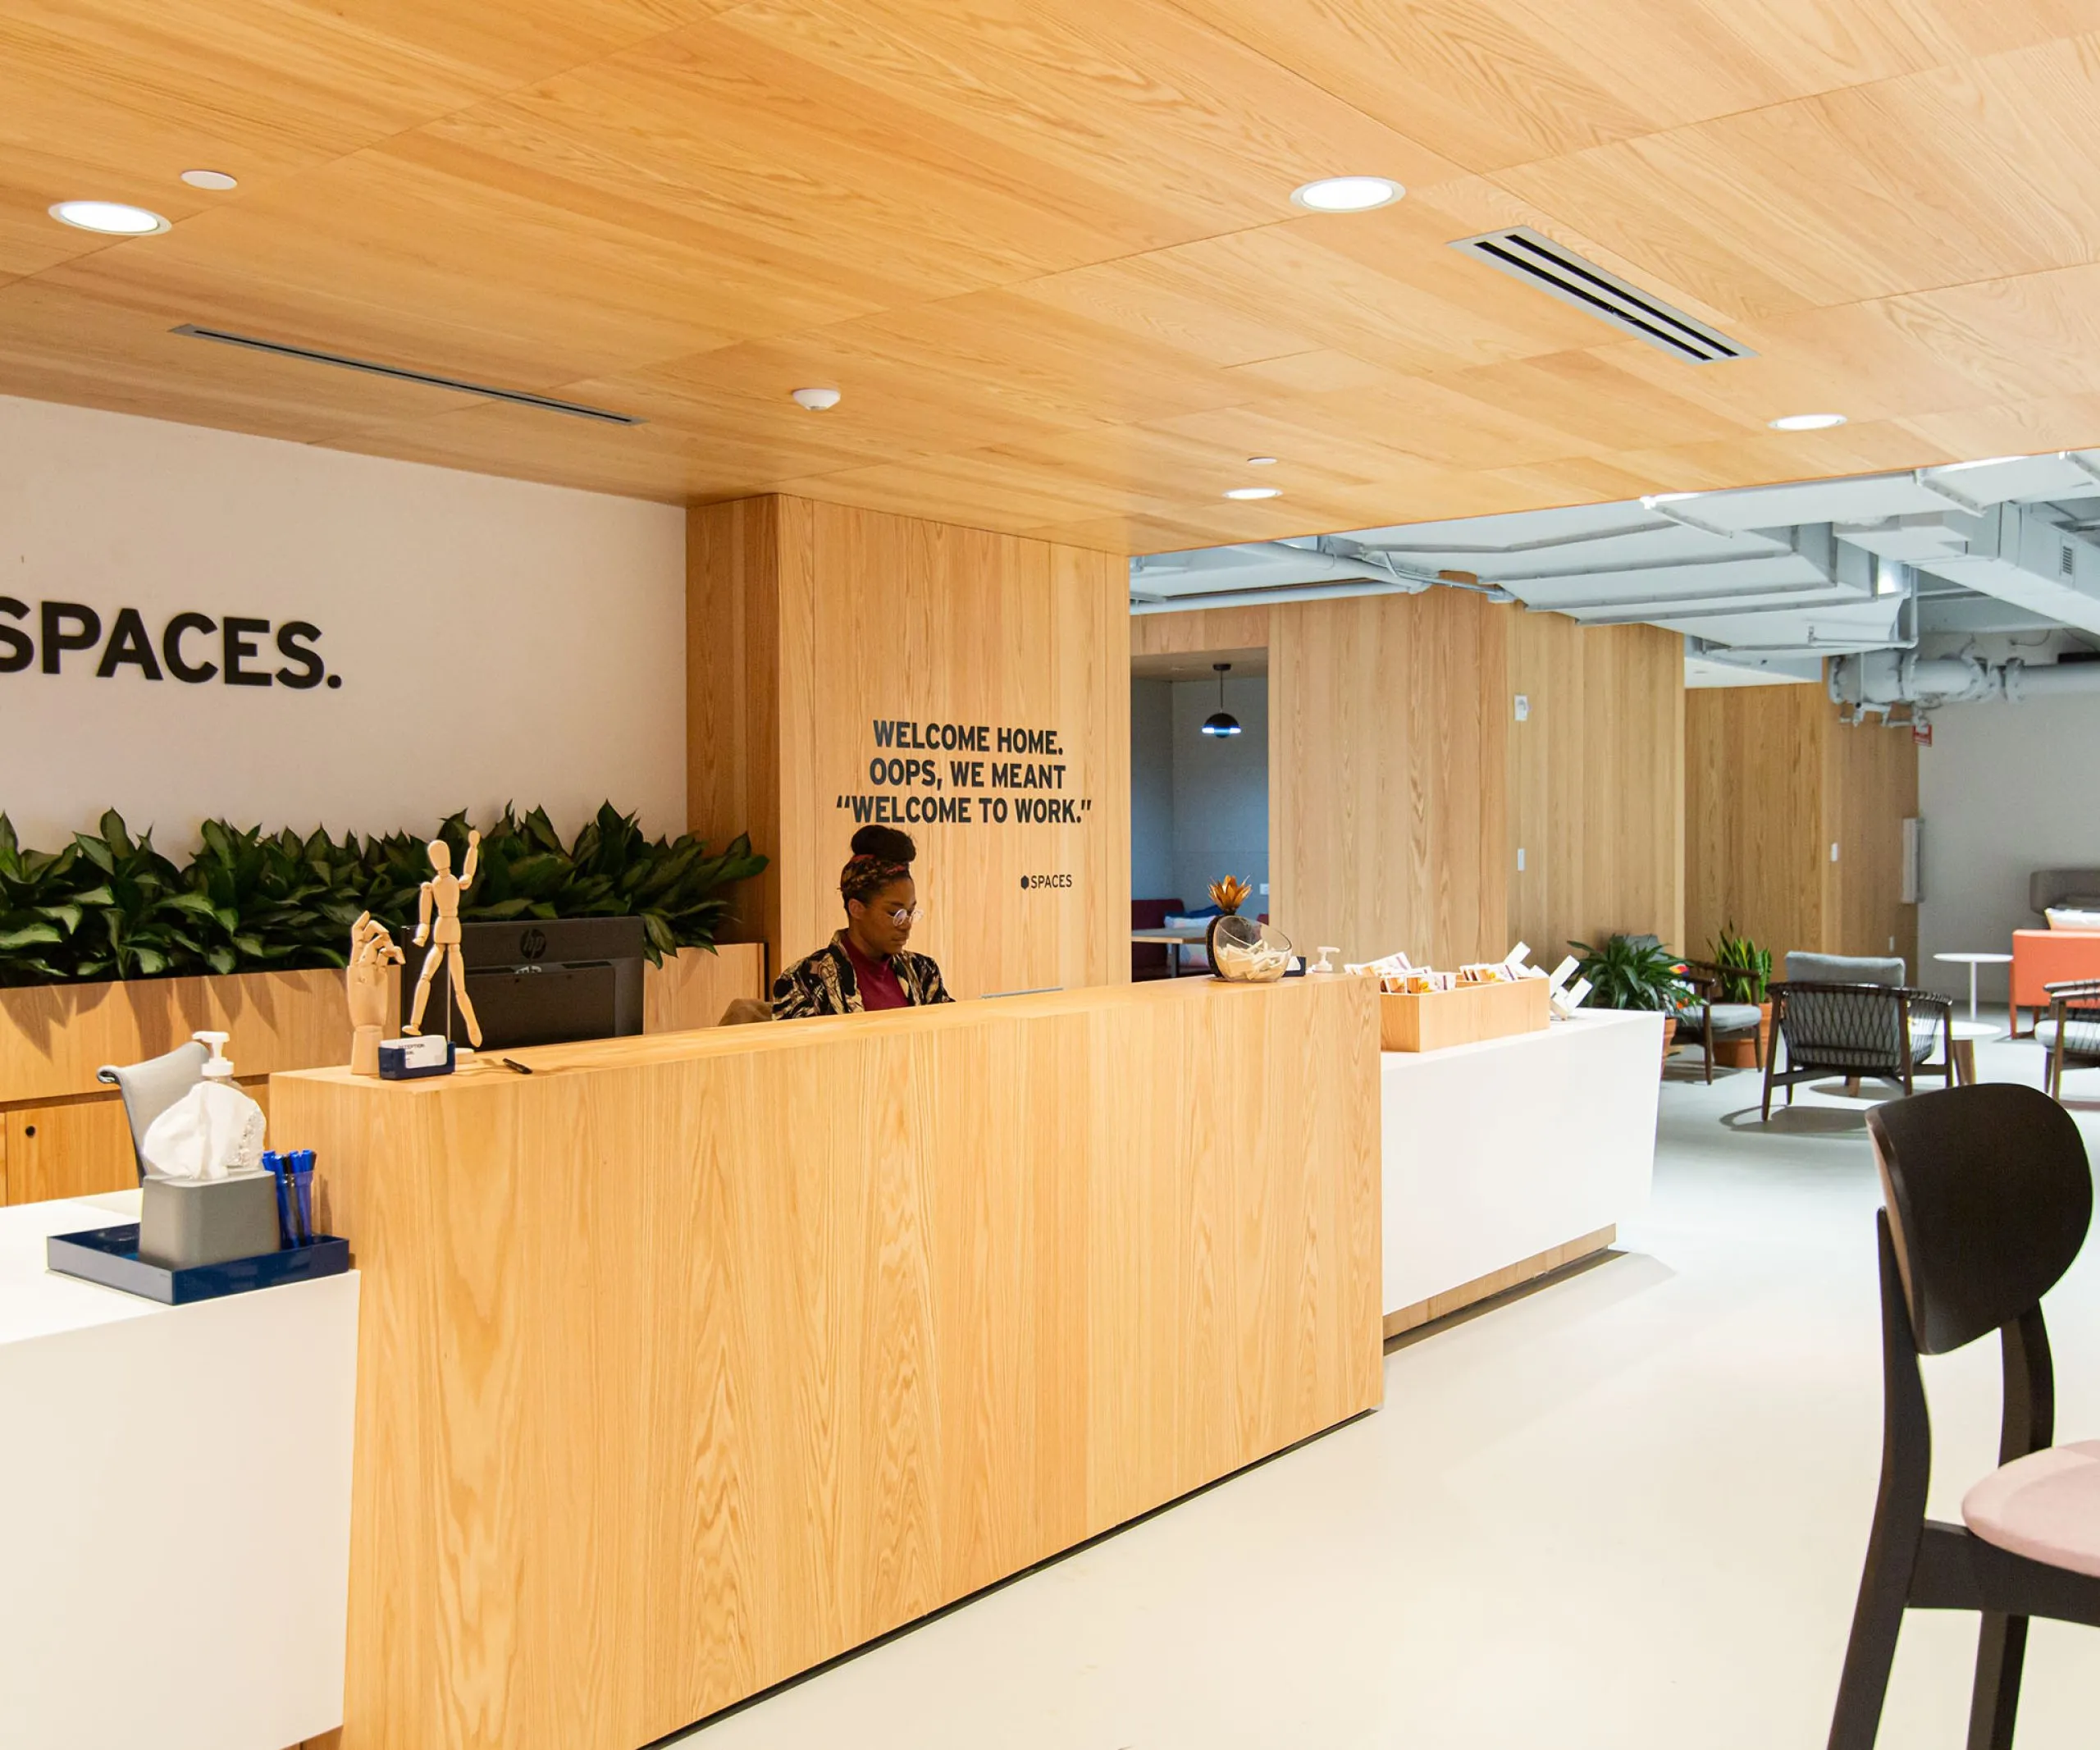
{"points": [[1228, 894], [1636, 972], [1746, 977]]}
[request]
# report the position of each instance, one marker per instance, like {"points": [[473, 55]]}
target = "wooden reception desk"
{"points": [[690, 1361]]}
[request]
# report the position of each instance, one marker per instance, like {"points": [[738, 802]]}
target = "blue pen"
{"points": [[275, 1162], [302, 1165]]}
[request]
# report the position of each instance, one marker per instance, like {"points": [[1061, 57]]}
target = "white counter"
{"points": [[1499, 1157], [175, 1504]]}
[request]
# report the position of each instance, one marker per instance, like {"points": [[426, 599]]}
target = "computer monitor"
{"points": [[535, 981]]}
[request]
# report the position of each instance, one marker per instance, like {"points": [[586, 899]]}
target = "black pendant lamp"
{"points": [[1221, 721]]}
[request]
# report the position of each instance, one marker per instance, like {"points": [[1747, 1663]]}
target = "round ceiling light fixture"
{"points": [[217, 180], [1261, 461], [817, 400], [1221, 721], [1346, 194], [1807, 422], [109, 218], [1243, 493]]}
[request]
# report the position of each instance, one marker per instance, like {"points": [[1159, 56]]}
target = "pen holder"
{"points": [[186, 1222]]}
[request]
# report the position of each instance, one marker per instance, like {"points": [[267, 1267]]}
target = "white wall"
{"points": [[2004, 790], [494, 641]]}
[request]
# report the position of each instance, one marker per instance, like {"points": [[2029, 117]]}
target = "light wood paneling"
{"points": [[1388, 735], [693, 988], [1756, 850], [1198, 630], [693, 1361], [733, 556], [832, 618], [1498, 1281], [54, 1037], [1875, 771], [75, 1148], [1435, 1019], [1773, 779], [1596, 782], [1047, 252], [62, 1133]]}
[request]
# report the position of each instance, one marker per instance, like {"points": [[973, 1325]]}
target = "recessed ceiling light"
{"points": [[1347, 194], [1807, 422], [216, 180], [1255, 492], [817, 400], [112, 218], [1261, 461]]}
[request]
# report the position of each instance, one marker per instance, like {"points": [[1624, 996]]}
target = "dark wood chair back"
{"points": [[1989, 1196]]}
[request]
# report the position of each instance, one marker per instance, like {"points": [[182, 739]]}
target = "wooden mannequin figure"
{"points": [[372, 953], [438, 903]]}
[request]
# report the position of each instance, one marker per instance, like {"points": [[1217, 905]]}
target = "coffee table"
{"points": [[1975, 961], [1175, 940]]}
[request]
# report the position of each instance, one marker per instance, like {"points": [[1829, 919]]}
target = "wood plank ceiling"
{"points": [[1045, 247]]}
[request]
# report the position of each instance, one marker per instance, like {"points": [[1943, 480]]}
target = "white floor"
{"points": [[1627, 1511]]}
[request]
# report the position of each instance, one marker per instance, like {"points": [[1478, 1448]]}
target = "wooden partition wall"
{"points": [[1774, 780], [1402, 785], [836, 658], [688, 1364]]}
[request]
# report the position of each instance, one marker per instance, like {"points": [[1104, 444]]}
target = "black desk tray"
{"points": [[110, 1256]]}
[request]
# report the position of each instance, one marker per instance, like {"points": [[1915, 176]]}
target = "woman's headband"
{"points": [[866, 875]]}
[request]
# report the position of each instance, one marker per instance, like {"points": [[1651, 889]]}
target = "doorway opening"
{"points": [[1199, 799]]}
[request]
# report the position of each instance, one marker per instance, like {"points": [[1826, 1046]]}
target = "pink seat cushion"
{"points": [[2045, 1506]]}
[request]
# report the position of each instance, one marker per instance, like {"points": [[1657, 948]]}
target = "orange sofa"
{"points": [[2048, 957]]}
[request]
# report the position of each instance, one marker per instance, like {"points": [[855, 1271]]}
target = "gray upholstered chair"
{"points": [[1709, 1019], [1853, 1015], [150, 1088], [2071, 1035]]}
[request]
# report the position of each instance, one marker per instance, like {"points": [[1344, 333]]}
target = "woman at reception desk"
{"points": [[866, 966], [689, 1361]]}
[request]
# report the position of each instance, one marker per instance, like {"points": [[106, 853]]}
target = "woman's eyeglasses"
{"points": [[905, 916]]}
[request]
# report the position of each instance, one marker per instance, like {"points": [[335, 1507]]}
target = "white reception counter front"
{"points": [[1506, 1159], [175, 1504]]}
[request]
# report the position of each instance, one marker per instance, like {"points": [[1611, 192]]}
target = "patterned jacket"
{"points": [[822, 982]]}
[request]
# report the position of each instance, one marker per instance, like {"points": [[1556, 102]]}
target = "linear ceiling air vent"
{"points": [[1536, 259], [372, 368]]}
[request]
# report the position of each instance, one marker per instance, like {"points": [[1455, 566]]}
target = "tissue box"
{"points": [[186, 1222]]}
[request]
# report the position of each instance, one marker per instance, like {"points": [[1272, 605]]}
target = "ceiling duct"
{"points": [[401, 374], [1537, 260]]}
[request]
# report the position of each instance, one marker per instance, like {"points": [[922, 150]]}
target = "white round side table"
{"points": [[1963, 1047], [1974, 961]]}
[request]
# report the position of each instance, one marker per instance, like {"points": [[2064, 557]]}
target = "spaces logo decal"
{"points": [[70, 637]]}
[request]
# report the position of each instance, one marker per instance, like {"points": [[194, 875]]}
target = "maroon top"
{"points": [[876, 980]]}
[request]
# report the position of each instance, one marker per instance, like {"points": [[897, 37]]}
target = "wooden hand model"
{"points": [[438, 903], [372, 953]]}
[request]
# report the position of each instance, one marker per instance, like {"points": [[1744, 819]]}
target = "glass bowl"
{"points": [[1245, 952]]}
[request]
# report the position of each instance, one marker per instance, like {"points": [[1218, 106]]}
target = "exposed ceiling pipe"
{"points": [[1884, 677], [1270, 597], [1256, 574]]}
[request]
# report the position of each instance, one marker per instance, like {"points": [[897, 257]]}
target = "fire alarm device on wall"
{"points": [[1523, 706]]}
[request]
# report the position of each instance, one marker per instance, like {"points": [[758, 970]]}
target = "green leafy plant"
{"points": [[111, 907], [1633, 972], [1746, 969]]}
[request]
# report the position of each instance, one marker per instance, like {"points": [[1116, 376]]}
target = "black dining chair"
{"points": [[1987, 1197]]}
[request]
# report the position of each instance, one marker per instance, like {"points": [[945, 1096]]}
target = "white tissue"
{"points": [[213, 1129]]}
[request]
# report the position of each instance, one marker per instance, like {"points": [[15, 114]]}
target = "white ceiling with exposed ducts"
{"points": [[1763, 574]]}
